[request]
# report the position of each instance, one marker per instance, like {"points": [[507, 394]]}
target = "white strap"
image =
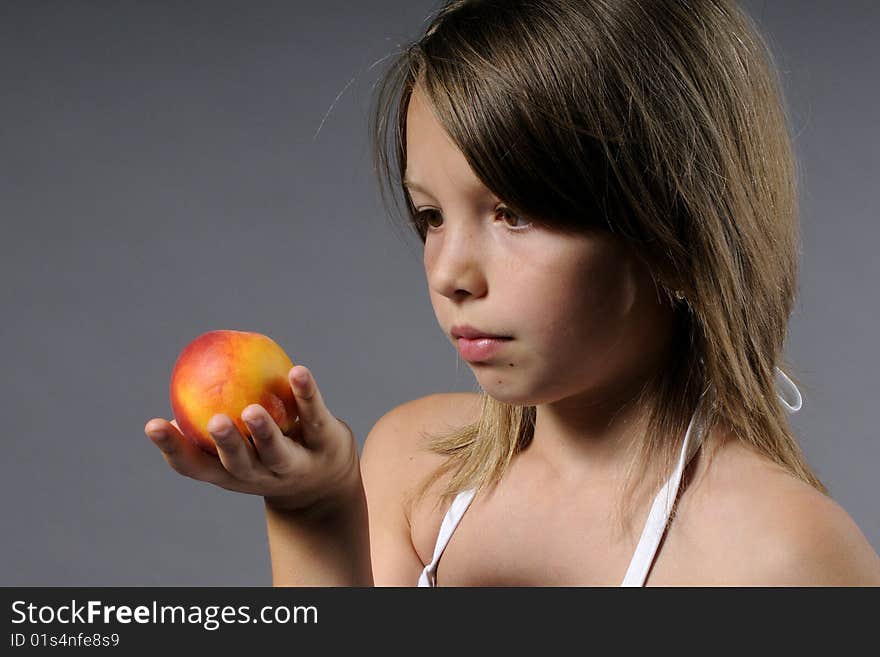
{"points": [[787, 385], [450, 521], [658, 517]]}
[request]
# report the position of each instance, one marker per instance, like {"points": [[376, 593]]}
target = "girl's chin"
{"points": [[504, 390]]}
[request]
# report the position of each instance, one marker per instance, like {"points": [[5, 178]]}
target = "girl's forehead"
{"points": [[419, 117], [431, 153]]}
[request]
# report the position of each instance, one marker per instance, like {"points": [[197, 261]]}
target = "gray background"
{"points": [[170, 168]]}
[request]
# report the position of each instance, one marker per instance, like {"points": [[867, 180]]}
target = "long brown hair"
{"points": [[661, 122]]}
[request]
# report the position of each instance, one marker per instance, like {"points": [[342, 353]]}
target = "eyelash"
{"points": [[421, 221]]}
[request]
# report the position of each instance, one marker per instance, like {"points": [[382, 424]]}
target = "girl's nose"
{"points": [[455, 267]]}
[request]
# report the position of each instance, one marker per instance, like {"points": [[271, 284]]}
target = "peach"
{"points": [[224, 372]]}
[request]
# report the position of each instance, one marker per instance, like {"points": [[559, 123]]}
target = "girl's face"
{"points": [[584, 315]]}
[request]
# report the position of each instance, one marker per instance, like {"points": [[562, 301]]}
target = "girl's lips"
{"points": [[480, 349]]}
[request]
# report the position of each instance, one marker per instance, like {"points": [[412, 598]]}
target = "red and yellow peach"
{"points": [[224, 372]]}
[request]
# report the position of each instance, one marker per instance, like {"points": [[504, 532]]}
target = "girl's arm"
{"points": [[364, 538], [327, 545], [818, 544], [388, 469], [316, 513]]}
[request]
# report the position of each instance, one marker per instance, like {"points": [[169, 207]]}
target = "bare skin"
{"points": [[740, 521], [316, 512], [588, 327], [587, 323]]}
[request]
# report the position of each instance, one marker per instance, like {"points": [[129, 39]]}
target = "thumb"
{"points": [[314, 416]]}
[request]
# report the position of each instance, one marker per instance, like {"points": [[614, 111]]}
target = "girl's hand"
{"points": [[315, 468]]}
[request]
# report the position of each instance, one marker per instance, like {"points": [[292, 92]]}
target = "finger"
{"points": [[314, 415], [184, 457], [235, 451], [280, 454]]}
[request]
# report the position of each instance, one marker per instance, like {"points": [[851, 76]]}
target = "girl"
{"points": [[605, 192]]}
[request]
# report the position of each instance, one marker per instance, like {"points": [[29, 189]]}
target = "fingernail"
{"points": [[255, 422], [301, 378]]}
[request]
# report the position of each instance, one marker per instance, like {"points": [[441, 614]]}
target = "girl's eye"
{"points": [[423, 218], [515, 217]]}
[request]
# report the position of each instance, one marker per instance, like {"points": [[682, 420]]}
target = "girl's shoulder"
{"points": [[742, 520], [769, 528], [402, 432], [394, 461], [411, 425]]}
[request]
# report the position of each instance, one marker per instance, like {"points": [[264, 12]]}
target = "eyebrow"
{"points": [[409, 184]]}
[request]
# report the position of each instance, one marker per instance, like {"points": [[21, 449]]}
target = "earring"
{"points": [[679, 295]]}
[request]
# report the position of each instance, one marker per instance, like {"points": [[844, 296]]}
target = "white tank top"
{"points": [[658, 517]]}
